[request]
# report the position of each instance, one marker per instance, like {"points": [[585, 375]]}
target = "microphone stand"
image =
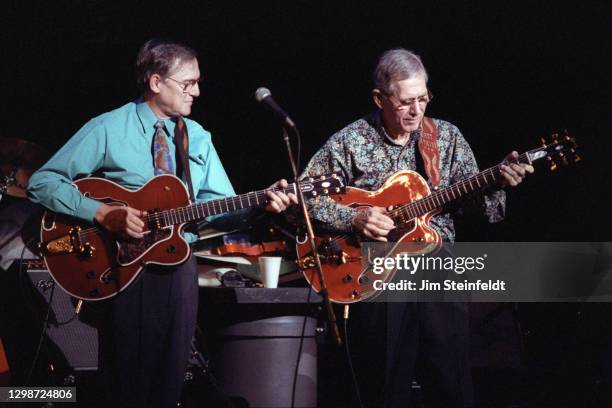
{"points": [[311, 238]]}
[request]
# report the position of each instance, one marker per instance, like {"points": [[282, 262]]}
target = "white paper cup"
{"points": [[269, 268]]}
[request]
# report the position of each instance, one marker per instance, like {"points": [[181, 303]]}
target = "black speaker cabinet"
{"points": [[70, 338]]}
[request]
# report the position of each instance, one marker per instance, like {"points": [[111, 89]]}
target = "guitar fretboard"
{"points": [[441, 197], [200, 211]]}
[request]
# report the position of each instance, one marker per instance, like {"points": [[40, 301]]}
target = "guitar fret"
{"points": [[422, 207], [436, 199], [429, 204], [439, 201]]}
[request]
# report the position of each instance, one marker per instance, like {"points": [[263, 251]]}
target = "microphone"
{"points": [[263, 95]]}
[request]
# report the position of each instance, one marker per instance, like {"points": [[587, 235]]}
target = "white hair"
{"points": [[395, 65]]}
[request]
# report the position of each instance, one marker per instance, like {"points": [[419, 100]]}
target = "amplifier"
{"points": [[76, 341]]}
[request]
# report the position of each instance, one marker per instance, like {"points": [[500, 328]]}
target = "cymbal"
{"points": [[16, 191], [18, 160], [22, 153]]}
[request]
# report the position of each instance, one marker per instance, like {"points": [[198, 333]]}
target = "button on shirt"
{"points": [[117, 146]]}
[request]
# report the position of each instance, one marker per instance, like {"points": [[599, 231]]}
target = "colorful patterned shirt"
{"points": [[366, 156]]}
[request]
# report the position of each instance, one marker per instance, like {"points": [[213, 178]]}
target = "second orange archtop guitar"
{"points": [[348, 275]]}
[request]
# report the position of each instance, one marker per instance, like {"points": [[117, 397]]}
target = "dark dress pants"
{"points": [[396, 343], [146, 341]]}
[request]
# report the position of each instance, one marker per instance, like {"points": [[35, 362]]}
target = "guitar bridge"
{"points": [[329, 253], [67, 244]]}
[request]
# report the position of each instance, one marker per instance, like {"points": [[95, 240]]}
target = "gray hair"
{"points": [[395, 65]]}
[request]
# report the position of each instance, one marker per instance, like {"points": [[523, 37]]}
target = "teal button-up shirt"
{"points": [[117, 146]]}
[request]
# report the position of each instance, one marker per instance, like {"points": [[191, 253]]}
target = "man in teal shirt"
{"points": [[146, 343]]}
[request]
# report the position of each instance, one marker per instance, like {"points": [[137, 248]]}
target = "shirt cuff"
{"points": [[87, 209]]}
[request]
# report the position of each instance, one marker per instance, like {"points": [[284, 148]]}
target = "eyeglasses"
{"points": [[187, 85], [422, 101]]}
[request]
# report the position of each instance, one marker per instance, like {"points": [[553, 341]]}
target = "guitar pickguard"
{"points": [[130, 250]]}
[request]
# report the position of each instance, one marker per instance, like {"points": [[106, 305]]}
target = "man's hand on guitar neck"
{"points": [[277, 200], [514, 172], [121, 220], [373, 223]]}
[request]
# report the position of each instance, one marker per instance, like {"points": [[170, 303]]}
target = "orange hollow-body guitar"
{"points": [[90, 263], [348, 266], [346, 278]]}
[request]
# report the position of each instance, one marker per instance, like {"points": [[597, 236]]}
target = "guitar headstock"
{"points": [[559, 148], [327, 184]]}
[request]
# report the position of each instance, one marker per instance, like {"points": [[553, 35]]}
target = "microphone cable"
{"points": [[301, 346], [349, 359], [45, 320]]}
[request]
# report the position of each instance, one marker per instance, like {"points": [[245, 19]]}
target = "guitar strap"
{"points": [[428, 147], [181, 138]]}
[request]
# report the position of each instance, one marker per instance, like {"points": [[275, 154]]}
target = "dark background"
{"points": [[505, 74]]}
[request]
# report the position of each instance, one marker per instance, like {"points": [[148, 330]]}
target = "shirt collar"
{"points": [[377, 122], [148, 119]]}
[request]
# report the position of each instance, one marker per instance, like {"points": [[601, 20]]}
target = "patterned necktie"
{"points": [[161, 152]]}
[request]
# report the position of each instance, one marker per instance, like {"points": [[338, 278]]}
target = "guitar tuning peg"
{"points": [[551, 164], [563, 158]]}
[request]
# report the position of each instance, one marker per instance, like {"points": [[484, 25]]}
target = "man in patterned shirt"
{"points": [[367, 152]]}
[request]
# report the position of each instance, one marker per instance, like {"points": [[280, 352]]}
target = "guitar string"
{"points": [[421, 206], [217, 205], [182, 211]]}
